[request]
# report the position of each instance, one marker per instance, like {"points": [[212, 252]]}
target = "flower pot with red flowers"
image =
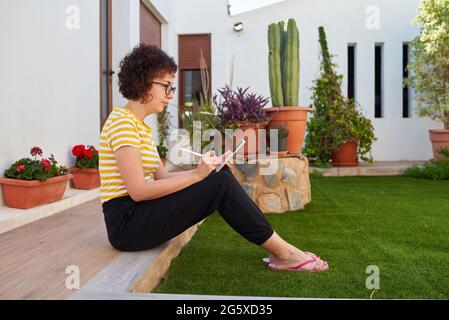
{"points": [[85, 172], [243, 111], [31, 182]]}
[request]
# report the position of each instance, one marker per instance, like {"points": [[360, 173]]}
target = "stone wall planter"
{"points": [[276, 191], [24, 194]]}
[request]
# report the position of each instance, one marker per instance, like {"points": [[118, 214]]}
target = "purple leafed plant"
{"points": [[239, 107]]}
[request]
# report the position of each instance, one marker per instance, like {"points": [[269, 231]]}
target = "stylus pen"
{"points": [[192, 152]]}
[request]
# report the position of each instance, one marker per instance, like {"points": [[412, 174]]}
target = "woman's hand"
{"points": [[207, 163]]}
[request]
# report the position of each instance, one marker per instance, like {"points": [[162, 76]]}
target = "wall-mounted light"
{"points": [[238, 27]]}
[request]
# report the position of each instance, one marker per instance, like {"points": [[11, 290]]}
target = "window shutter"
{"points": [[190, 47], [150, 27]]}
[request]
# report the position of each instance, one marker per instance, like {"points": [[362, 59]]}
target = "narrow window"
{"points": [[405, 88], [378, 112], [351, 71]]}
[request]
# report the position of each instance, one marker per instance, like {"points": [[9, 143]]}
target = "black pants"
{"points": [[134, 226]]}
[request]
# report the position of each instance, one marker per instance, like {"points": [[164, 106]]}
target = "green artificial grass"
{"points": [[399, 224]]}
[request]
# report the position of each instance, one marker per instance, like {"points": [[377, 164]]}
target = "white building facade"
{"points": [[56, 83]]}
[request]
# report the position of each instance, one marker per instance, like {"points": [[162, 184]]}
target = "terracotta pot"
{"points": [[164, 162], [440, 139], [25, 194], [295, 118], [85, 178], [250, 147], [346, 155]]}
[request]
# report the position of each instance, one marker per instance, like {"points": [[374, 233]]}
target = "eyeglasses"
{"points": [[168, 87]]}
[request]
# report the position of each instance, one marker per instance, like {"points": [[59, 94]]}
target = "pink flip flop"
{"points": [[300, 267], [266, 260]]}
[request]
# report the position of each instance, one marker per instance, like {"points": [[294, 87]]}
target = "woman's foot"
{"points": [[268, 259], [292, 248], [298, 262]]}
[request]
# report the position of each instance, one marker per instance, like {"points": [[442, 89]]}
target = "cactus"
{"points": [[274, 61], [284, 63], [283, 32]]}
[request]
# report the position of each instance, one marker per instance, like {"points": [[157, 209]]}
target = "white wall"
{"points": [[49, 79], [126, 35], [345, 22]]}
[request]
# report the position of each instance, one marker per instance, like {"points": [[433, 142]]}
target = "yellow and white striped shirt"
{"points": [[122, 128]]}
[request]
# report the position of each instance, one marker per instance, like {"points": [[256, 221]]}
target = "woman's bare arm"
{"points": [[162, 173], [131, 171]]}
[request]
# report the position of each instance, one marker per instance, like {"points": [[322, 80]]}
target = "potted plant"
{"points": [[284, 65], [282, 150], [241, 110], [338, 131], [200, 114], [163, 120], [429, 67], [85, 172], [162, 150], [32, 182]]}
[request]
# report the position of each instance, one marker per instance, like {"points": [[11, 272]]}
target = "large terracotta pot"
{"points": [[440, 139], [346, 155], [85, 178], [295, 118], [250, 147], [25, 194]]}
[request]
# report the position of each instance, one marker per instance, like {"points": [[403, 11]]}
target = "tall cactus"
{"points": [[283, 32], [284, 63], [292, 64], [274, 61]]}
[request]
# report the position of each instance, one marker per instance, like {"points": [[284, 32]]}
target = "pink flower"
{"points": [[36, 151], [46, 164], [20, 168]]}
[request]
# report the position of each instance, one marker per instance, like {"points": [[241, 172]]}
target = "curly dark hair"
{"points": [[140, 67]]}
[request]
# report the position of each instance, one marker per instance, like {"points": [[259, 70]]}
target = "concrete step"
{"points": [[378, 168]]}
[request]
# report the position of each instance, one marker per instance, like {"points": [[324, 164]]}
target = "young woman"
{"points": [[143, 204]]}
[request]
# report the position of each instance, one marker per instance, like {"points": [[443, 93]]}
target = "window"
{"points": [[378, 83], [351, 71], [192, 86], [191, 48], [405, 89]]}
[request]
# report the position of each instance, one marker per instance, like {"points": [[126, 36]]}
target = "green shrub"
{"points": [[436, 170]]}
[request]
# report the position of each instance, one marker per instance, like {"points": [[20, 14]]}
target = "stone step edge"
{"points": [[135, 279], [157, 271]]}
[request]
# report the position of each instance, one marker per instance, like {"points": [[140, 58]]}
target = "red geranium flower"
{"points": [[20, 168], [78, 150], [36, 151], [88, 153], [46, 164]]}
